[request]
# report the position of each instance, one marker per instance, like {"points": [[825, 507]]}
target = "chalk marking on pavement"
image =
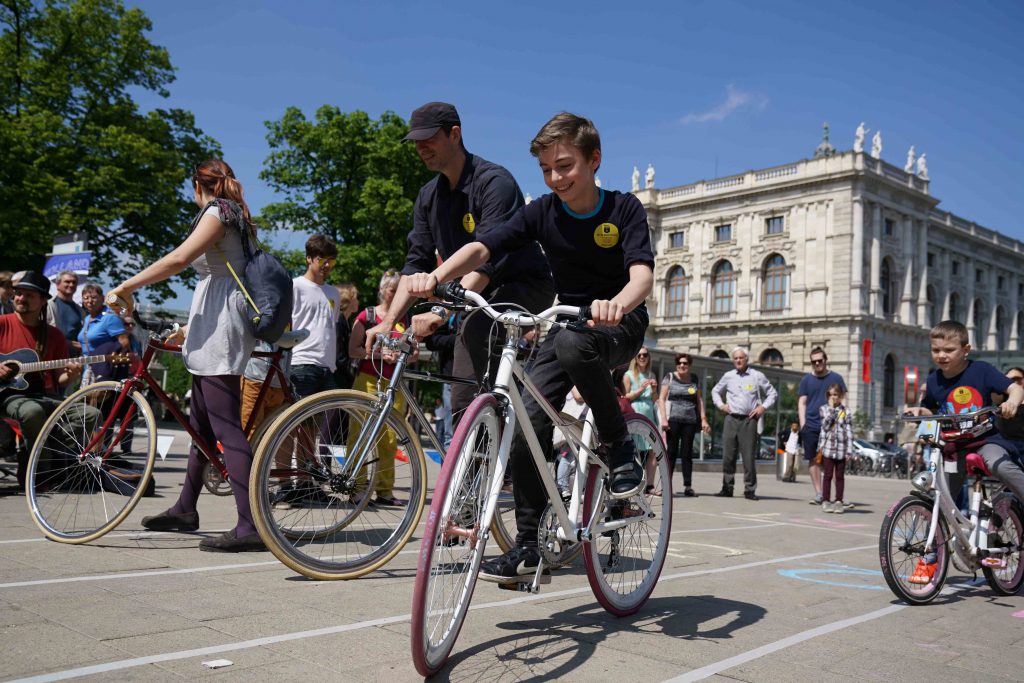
{"points": [[795, 639], [727, 528], [122, 664], [730, 552]]}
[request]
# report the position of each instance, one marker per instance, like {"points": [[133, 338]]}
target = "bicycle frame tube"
{"points": [[943, 504]]}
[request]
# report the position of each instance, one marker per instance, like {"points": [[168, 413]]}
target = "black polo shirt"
{"points": [[590, 254], [446, 218]]}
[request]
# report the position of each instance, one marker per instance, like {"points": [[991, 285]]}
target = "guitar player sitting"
{"points": [[27, 328]]}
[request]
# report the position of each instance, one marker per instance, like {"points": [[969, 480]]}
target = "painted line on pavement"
{"points": [[122, 664]]}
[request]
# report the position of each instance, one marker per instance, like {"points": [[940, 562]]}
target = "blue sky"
{"points": [[690, 87]]}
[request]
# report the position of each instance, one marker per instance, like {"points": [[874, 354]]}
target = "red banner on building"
{"points": [[865, 359]]}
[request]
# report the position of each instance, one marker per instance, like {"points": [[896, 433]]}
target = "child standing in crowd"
{"points": [[598, 245], [216, 348], [792, 446], [836, 444]]}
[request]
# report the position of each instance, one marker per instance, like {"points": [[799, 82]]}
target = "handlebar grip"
{"points": [[450, 291]]}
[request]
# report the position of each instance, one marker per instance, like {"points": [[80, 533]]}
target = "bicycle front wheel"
{"points": [[454, 537], [91, 464], [312, 496], [624, 562], [901, 545], [1007, 580]]}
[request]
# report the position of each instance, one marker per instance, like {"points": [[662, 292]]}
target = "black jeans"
{"points": [[311, 379], [473, 343], [565, 359], [680, 445]]}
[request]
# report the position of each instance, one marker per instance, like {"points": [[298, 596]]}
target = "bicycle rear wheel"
{"points": [[624, 563], [314, 509], [90, 465], [214, 482], [1008, 579], [901, 544], [454, 540]]}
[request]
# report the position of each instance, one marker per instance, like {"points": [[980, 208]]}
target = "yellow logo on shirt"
{"points": [[750, 387], [962, 395], [468, 224], [691, 390], [606, 235], [842, 414]]}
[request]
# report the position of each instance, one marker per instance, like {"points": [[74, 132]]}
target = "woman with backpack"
{"points": [[216, 348], [379, 368]]}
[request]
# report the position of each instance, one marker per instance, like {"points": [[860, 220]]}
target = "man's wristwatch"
{"points": [[440, 311]]}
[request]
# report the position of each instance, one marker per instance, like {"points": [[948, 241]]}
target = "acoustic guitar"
{"points": [[25, 361]]}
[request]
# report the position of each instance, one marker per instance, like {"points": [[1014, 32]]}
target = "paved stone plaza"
{"points": [[754, 591]]}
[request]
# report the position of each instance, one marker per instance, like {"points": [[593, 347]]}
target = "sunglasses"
{"points": [[817, 361], [683, 362], [329, 262], [643, 355]]}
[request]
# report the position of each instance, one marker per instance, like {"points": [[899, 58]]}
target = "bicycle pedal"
{"points": [[993, 562]]}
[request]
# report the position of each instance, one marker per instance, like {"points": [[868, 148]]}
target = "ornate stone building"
{"points": [[830, 251]]}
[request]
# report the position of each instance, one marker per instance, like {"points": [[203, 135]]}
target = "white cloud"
{"points": [[734, 99]]}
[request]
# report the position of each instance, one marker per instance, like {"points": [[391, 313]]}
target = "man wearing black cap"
{"points": [[468, 197], [26, 328]]}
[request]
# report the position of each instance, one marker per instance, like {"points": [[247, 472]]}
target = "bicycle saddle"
{"points": [[290, 339], [976, 465]]}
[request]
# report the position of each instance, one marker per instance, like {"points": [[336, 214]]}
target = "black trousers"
{"points": [[565, 359], [473, 343], [680, 445]]}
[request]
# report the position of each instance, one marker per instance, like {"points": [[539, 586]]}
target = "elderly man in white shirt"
{"points": [[744, 395]]}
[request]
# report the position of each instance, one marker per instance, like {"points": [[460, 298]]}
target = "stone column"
{"points": [[1011, 319], [992, 342], [857, 257], [922, 282], [967, 276], [947, 272], [907, 300], [875, 302]]}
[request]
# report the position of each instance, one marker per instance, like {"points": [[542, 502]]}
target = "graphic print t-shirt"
{"points": [[967, 392]]}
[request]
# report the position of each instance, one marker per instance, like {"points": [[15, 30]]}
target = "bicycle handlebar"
{"points": [[907, 417], [453, 291]]}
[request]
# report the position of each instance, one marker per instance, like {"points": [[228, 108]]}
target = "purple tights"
{"points": [[216, 416]]}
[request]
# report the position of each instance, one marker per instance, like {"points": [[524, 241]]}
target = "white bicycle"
{"points": [[625, 541]]}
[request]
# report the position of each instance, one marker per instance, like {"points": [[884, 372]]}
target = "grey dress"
{"points": [[219, 341]]}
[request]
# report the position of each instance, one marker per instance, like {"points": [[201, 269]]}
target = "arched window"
{"points": [[771, 357], [931, 309], [775, 279], [723, 288], [887, 288], [955, 313], [889, 382], [719, 353], [676, 290], [980, 333]]}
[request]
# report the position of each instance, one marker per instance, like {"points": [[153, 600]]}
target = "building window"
{"points": [[1020, 290], [930, 310], [723, 288], [676, 288], [978, 275], [887, 288], [774, 225], [979, 326], [772, 357], [889, 382], [888, 226], [719, 353], [723, 233], [931, 259], [1001, 283], [956, 267], [775, 279], [954, 307], [677, 240]]}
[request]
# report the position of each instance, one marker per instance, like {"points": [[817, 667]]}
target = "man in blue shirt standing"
{"points": [[813, 394]]}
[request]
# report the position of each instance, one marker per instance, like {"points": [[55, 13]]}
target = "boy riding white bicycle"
{"points": [[960, 385], [598, 245]]}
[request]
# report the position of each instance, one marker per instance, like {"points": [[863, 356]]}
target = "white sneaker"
{"points": [[827, 506], [838, 507]]}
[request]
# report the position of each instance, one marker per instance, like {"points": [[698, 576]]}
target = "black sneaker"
{"points": [[726, 492], [627, 475], [515, 566]]}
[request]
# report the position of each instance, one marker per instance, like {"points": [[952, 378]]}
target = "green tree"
{"points": [[347, 176], [76, 153]]}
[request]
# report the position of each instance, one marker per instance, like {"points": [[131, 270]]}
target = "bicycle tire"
{"points": [[901, 543], [623, 566], [75, 497], [325, 525], [503, 526], [446, 573], [1008, 580]]}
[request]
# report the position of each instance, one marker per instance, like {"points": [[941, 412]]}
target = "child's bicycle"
{"points": [[922, 531], [625, 540], [83, 479]]}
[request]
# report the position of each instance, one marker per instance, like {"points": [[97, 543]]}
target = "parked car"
{"points": [[894, 461], [866, 449]]}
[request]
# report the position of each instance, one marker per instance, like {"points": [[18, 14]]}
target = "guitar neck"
{"points": [[56, 364]]}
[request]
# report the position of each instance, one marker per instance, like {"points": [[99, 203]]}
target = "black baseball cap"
{"points": [[35, 281], [429, 118]]}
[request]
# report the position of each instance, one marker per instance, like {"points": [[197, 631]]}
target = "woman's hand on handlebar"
{"points": [[120, 301], [421, 284], [425, 324], [605, 312]]}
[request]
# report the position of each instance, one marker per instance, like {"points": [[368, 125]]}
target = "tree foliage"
{"points": [[349, 177], [76, 153]]}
